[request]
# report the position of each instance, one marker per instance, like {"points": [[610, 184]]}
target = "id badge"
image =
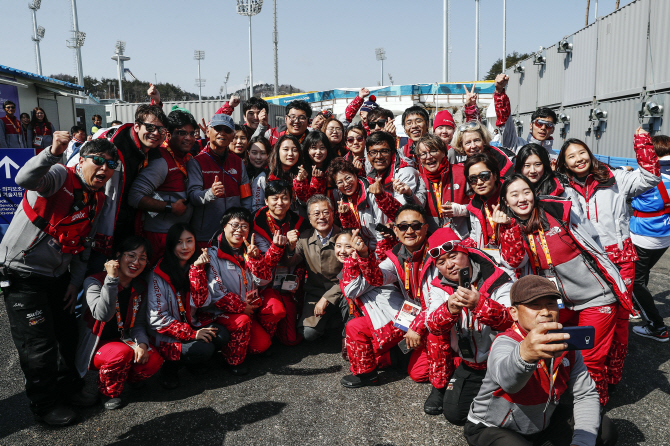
{"points": [[464, 347], [37, 140], [253, 298], [280, 274], [53, 243], [290, 282], [548, 275], [130, 343]]}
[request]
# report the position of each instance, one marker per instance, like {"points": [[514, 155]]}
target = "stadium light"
{"points": [[199, 82], [250, 8]]}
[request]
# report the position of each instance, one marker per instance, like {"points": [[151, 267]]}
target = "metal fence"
{"points": [[616, 64]]}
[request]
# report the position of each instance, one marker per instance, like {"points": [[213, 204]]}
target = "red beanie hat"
{"points": [[443, 118], [443, 235]]}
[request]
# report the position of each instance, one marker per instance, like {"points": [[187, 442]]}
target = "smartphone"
{"points": [[383, 229], [581, 338], [403, 346], [464, 277]]}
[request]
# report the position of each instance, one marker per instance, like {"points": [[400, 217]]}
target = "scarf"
{"points": [[436, 177]]}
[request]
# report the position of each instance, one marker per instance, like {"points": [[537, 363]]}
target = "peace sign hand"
{"points": [[499, 217], [279, 239], [252, 250], [470, 96], [203, 126]]}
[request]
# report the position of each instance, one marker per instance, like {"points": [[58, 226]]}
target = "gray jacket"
{"points": [[510, 374], [145, 185], [25, 248], [11, 140]]}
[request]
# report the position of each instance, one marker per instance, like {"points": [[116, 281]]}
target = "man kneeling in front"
{"points": [[519, 402]]}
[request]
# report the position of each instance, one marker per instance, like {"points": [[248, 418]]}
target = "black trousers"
{"points": [[196, 352], [558, 433], [45, 336], [648, 258], [459, 393]]}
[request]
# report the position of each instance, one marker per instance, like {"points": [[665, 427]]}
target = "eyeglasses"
{"points": [[539, 123], [468, 126], [384, 152], [351, 139], [300, 118], [99, 161], [442, 249], [237, 226], [381, 123], [333, 130], [223, 128], [153, 128], [424, 155], [318, 214], [182, 133], [416, 226], [348, 179], [484, 176], [132, 258]]}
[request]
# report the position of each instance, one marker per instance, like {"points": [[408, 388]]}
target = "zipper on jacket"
{"points": [[506, 417]]}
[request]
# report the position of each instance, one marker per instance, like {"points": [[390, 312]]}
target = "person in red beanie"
{"points": [[476, 313], [444, 126]]}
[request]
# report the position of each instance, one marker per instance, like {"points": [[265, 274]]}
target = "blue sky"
{"points": [[322, 44]]}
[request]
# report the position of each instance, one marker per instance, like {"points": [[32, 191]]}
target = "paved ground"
{"points": [[294, 397]]}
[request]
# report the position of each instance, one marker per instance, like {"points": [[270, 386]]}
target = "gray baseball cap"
{"points": [[221, 119]]}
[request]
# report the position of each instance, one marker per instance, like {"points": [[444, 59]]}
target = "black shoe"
{"points": [[239, 370], [113, 403], [83, 399], [59, 416], [170, 375], [362, 380], [433, 405]]}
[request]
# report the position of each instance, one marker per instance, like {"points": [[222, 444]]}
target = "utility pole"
{"points": [[38, 34], [445, 44], [504, 59], [77, 42], [476, 40], [381, 56], [199, 82], [275, 39]]}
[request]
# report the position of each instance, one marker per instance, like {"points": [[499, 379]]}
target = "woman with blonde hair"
{"points": [[473, 138]]}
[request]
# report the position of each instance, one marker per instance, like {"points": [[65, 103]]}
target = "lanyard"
{"points": [[222, 169], [354, 209], [12, 123], [244, 269], [119, 321], [545, 248], [491, 222], [271, 222], [437, 187], [182, 310], [407, 275], [542, 362], [180, 166]]}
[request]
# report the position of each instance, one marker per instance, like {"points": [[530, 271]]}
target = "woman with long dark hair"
{"points": [[178, 280], [334, 130], [603, 194], [256, 161], [545, 237], [112, 336], [533, 162], [354, 138], [40, 130]]}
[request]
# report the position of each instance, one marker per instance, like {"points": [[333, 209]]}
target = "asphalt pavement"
{"points": [[294, 397]]}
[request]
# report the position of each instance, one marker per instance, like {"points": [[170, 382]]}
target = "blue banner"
{"points": [[11, 160]]}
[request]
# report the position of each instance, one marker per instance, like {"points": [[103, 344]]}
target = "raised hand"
{"points": [[376, 188], [203, 126], [112, 268], [316, 172], [641, 131], [467, 297], [292, 237], [203, 259], [470, 96], [278, 239], [342, 207], [389, 127], [498, 216], [60, 141], [153, 93], [501, 82], [218, 189], [302, 174], [537, 345], [358, 243], [234, 101], [252, 250], [401, 188], [363, 93], [263, 117]]}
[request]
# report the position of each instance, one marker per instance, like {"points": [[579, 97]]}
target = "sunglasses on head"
{"points": [[416, 226], [380, 123], [99, 161], [541, 122], [484, 176], [468, 126], [326, 113], [442, 249], [351, 139]]}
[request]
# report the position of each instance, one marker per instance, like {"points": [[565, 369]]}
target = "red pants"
{"points": [[252, 335], [286, 328], [114, 360], [157, 242], [603, 319], [619, 347]]}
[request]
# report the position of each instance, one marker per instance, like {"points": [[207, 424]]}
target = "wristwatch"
{"points": [[168, 207]]}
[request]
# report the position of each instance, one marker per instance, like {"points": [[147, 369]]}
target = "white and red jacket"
{"points": [[352, 109], [605, 204], [510, 139], [451, 187]]}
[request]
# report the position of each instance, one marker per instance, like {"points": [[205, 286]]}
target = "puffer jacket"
{"points": [[509, 137], [605, 203]]}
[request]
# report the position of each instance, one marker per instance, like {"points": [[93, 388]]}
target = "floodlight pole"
{"points": [[251, 66], [476, 40], [445, 45], [504, 58], [250, 8], [36, 39], [75, 21], [275, 36], [199, 55]]}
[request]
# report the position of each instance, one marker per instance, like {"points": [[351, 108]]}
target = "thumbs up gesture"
{"points": [[217, 188], [376, 188]]}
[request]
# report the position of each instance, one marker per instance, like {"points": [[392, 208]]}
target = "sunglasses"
{"points": [[416, 226], [182, 133], [381, 123], [484, 176], [153, 128], [442, 249], [469, 126], [539, 123], [99, 161], [351, 139], [223, 128]]}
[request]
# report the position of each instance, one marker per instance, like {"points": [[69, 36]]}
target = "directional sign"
{"points": [[10, 193]]}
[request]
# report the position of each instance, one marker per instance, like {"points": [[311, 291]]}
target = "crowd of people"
{"points": [[450, 255]]}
